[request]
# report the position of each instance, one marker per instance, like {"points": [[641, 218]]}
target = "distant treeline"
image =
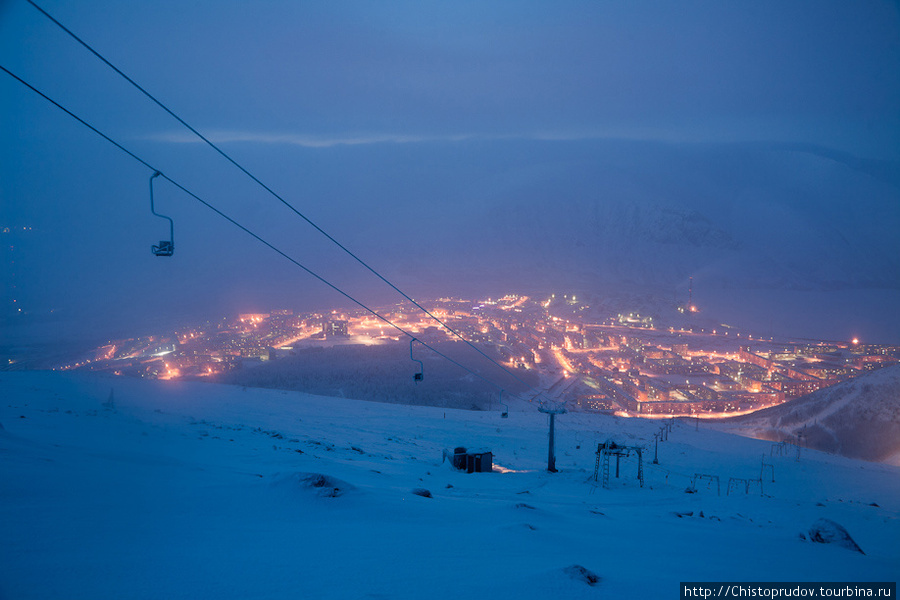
{"points": [[385, 374]]}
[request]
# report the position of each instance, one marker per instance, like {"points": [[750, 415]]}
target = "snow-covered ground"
{"points": [[189, 490], [859, 418]]}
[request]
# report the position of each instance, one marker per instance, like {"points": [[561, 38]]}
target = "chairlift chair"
{"points": [[165, 247], [420, 375], [505, 413]]}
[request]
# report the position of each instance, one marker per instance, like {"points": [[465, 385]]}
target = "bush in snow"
{"points": [[826, 531], [579, 573]]}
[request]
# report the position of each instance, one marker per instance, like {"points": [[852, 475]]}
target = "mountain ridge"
{"points": [[859, 418]]}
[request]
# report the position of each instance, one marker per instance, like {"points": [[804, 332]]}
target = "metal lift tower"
{"points": [[552, 411]]}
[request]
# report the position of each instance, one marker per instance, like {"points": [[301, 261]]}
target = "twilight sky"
{"points": [[396, 125]]}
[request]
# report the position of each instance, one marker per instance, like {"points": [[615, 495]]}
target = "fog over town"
{"points": [[613, 151], [296, 290]]}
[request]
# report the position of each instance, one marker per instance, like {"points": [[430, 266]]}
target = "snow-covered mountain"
{"points": [[859, 418], [121, 488], [747, 216], [788, 240]]}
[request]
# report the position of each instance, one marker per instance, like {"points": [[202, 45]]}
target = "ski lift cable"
{"points": [[245, 229], [273, 193]]}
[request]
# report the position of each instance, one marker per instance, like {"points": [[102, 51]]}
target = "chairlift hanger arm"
{"points": [[165, 247], [417, 377]]}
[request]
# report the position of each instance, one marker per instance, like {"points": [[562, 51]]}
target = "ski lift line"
{"points": [[328, 283], [79, 119], [242, 227], [271, 191]]}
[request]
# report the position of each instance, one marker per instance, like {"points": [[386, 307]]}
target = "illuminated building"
{"points": [[335, 328]]}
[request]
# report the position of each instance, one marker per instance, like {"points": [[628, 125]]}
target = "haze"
{"points": [[466, 148]]}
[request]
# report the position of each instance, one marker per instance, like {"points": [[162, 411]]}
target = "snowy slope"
{"points": [[180, 490], [859, 418]]}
